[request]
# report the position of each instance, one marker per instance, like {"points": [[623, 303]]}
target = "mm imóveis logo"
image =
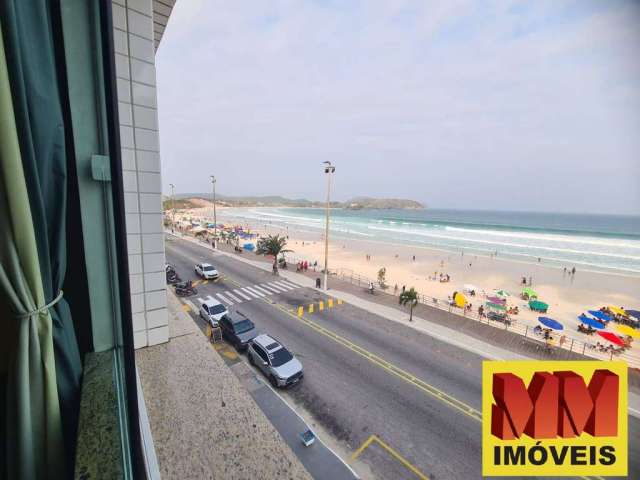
{"points": [[554, 418]]}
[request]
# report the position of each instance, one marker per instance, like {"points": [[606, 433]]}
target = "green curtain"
{"points": [[33, 75], [33, 426]]}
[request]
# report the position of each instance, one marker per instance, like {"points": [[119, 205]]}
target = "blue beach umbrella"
{"points": [[592, 322], [600, 315], [551, 323], [634, 313]]}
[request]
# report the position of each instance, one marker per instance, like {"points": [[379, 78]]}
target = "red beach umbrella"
{"points": [[612, 337]]}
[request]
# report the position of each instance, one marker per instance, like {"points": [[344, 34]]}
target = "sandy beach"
{"points": [[568, 296]]}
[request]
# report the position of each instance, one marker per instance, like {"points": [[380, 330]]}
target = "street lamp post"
{"points": [[215, 218], [173, 207], [328, 170]]}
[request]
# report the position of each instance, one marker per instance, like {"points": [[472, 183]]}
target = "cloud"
{"points": [[458, 104]]}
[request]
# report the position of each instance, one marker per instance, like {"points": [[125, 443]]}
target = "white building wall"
{"points": [[136, 78]]}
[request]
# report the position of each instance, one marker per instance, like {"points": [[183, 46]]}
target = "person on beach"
{"points": [[414, 258], [573, 271], [395, 289], [403, 288]]}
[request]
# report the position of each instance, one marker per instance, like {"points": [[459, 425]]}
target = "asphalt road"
{"points": [[365, 375]]}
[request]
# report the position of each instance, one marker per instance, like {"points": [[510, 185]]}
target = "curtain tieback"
{"points": [[43, 309]]}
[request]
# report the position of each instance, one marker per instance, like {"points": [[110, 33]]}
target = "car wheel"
{"points": [[274, 382], [251, 360]]}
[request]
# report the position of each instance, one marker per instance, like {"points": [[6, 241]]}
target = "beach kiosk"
{"points": [[528, 294]]}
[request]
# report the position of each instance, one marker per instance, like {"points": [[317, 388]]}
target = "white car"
{"points": [[206, 271], [212, 311]]}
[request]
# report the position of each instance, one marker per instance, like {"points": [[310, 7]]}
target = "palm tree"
{"points": [[272, 245], [409, 297], [382, 277]]}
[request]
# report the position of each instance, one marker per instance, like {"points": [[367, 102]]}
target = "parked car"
{"points": [[238, 331], [276, 362], [212, 311], [206, 271]]}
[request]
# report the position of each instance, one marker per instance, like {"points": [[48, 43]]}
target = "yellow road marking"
{"points": [[330, 302], [311, 306], [320, 305], [339, 301], [186, 308], [392, 452], [230, 354], [300, 311]]}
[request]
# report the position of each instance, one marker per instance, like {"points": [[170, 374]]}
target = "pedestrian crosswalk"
{"points": [[244, 294]]}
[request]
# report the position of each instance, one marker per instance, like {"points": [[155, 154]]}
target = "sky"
{"points": [[457, 104]]}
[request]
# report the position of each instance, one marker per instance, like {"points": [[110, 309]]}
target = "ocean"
{"points": [[606, 243]]}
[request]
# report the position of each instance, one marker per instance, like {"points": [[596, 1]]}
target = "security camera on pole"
{"points": [[328, 170]]}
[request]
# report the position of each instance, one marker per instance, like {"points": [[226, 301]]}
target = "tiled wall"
{"points": [[136, 72]]}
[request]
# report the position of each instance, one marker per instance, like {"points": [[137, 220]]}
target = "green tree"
{"points": [[409, 297], [272, 245], [382, 277]]}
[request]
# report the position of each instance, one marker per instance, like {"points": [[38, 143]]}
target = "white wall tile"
{"points": [[144, 95], [122, 66], [140, 339], [147, 139], [128, 159], [119, 17], [132, 222], [131, 202], [151, 223], [150, 203], [133, 243], [142, 6], [143, 72], [141, 48], [154, 281], [157, 318], [146, 117], [153, 262], [120, 42], [153, 242], [150, 182], [148, 161], [130, 181], [139, 24], [137, 303], [135, 264], [136, 283], [126, 137], [139, 323], [125, 114], [124, 90], [158, 335], [155, 300]]}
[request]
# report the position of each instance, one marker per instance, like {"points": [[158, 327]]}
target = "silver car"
{"points": [[212, 311], [276, 362]]}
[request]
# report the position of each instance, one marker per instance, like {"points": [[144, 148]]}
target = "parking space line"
{"points": [[242, 294], [237, 300], [408, 465], [224, 299], [254, 292]]}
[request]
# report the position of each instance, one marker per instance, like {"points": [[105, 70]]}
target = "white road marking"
{"points": [[260, 289], [286, 285], [271, 289], [279, 288], [224, 299], [238, 300], [242, 294], [254, 292], [201, 300]]}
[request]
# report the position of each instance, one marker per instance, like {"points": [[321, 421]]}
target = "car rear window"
{"points": [[218, 309], [280, 357]]}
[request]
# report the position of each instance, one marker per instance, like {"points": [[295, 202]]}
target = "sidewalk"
{"points": [[529, 348]]}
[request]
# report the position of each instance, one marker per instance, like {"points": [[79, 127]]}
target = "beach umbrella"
{"points": [[592, 322], [612, 337], [499, 300], [529, 292], [627, 330], [635, 314], [600, 315], [538, 306], [470, 288], [617, 310], [502, 293], [496, 306], [551, 323], [460, 300]]}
